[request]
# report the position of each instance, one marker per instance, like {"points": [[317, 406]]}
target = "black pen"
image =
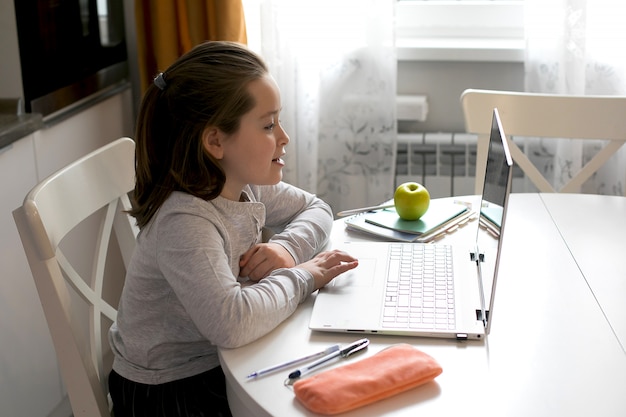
{"points": [[343, 353]]}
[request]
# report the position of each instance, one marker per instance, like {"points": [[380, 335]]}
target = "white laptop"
{"points": [[390, 294]]}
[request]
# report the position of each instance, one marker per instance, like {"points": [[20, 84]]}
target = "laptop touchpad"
{"points": [[361, 276]]}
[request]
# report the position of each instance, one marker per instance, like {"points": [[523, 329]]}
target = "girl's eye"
{"points": [[270, 127]]}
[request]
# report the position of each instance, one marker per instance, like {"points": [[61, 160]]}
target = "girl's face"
{"points": [[252, 155]]}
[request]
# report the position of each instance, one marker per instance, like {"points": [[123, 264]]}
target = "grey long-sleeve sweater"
{"points": [[183, 296]]}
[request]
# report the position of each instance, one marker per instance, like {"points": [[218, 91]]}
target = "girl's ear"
{"points": [[212, 142]]}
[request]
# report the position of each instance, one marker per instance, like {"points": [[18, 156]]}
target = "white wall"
{"points": [[443, 83]]}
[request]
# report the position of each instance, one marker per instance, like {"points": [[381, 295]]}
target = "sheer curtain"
{"points": [[335, 64], [577, 47]]}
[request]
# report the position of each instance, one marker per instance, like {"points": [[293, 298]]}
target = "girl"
{"points": [[208, 180]]}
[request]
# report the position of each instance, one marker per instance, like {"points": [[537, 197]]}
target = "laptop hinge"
{"points": [[476, 256], [479, 316]]}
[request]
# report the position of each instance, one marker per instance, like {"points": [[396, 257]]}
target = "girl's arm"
{"points": [[192, 254], [301, 220]]}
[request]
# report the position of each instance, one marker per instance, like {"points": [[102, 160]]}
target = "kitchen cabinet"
{"points": [[62, 143], [29, 377]]}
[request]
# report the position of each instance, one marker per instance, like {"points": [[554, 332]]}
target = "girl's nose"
{"points": [[282, 136]]}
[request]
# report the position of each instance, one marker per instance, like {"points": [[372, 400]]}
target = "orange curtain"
{"points": [[166, 29]]}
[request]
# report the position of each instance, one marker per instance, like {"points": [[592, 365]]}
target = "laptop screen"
{"points": [[496, 190]]}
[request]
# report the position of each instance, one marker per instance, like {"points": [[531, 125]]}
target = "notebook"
{"points": [[441, 217], [439, 213], [453, 303]]}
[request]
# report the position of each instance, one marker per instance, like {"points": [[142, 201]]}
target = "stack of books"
{"points": [[442, 216]]}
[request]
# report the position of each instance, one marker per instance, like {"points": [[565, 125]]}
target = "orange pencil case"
{"points": [[387, 373]]}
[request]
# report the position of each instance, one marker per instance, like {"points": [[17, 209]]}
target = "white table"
{"points": [[556, 346], [598, 244]]}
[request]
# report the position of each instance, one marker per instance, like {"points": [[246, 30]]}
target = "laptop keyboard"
{"points": [[420, 287]]}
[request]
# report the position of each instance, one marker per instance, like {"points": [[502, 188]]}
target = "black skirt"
{"points": [[202, 395]]}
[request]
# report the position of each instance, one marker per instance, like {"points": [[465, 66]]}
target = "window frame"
{"points": [[460, 30]]}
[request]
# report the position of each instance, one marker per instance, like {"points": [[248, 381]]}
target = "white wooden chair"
{"points": [[78, 241], [545, 116]]}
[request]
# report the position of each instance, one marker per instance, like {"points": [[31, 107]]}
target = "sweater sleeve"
{"points": [[301, 220], [192, 255]]}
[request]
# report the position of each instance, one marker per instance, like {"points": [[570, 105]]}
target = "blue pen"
{"points": [[327, 351], [343, 353]]}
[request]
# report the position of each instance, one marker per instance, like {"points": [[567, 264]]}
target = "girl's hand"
{"points": [[263, 258], [327, 265]]}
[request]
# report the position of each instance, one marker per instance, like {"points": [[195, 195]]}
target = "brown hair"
{"points": [[208, 86]]}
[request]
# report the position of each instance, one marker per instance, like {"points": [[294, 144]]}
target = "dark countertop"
{"points": [[14, 122], [14, 127]]}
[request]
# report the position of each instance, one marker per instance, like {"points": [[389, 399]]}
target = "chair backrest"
{"points": [[78, 241], [546, 116]]}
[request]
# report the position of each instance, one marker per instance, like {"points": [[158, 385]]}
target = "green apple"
{"points": [[411, 200]]}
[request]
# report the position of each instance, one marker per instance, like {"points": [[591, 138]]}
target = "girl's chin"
{"points": [[275, 179]]}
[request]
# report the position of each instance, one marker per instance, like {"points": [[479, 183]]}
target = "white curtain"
{"points": [[577, 47], [335, 63]]}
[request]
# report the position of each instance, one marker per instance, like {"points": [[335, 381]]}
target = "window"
{"points": [[443, 30], [460, 30]]}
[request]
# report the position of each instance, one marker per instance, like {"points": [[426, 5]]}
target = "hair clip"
{"points": [[159, 81]]}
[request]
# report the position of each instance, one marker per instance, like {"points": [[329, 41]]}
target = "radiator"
{"points": [[445, 163]]}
